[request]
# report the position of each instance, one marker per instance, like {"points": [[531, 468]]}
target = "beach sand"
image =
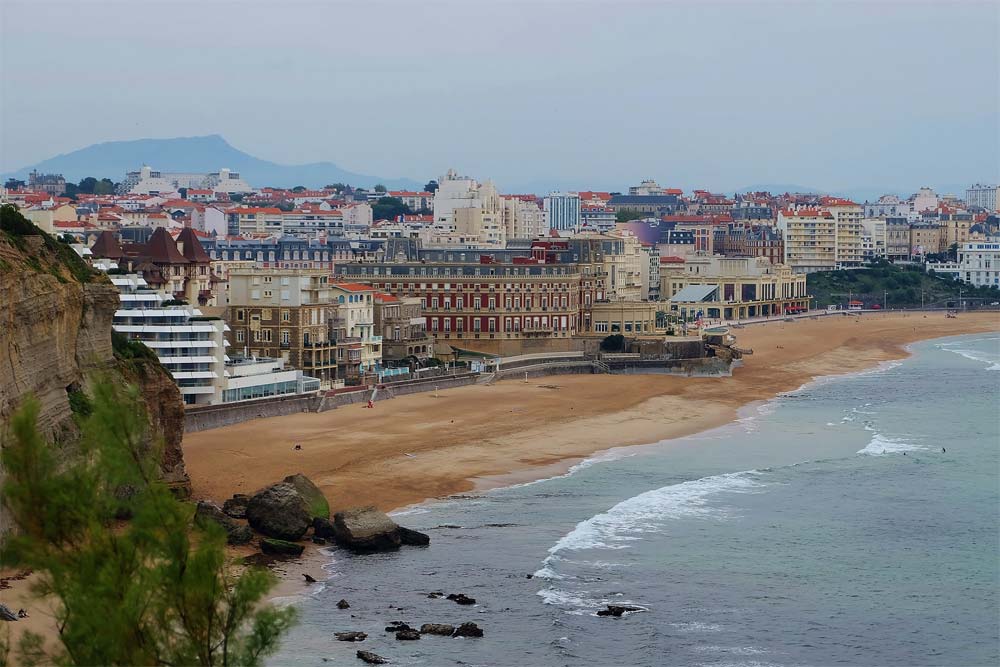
{"points": [[422, 446]]}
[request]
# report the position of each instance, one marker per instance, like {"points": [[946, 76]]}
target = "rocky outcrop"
{"points": [[279, 511], [55, 330], [350, 636], [236, 533], [437, 629], [280, 547], [315, 501], [371, 658], [236, 506], [468, 630], [366, 529]]}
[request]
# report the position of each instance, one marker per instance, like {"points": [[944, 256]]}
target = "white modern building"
{"points": [[979, 264], [564, 210], [983, 196], [192, 347], [467, 214], [148, 181]]}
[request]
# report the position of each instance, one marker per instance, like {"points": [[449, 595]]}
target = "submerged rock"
{"points": [[413, 537], [343, 604], [407, 634], [437, 629], [279, 511], [618, 610], [468, 630], [372, 658], [350, 636], [461, 598]]}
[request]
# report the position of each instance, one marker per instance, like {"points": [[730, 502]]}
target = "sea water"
{"points": [[851, 522]]}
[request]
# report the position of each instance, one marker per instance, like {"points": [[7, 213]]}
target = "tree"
{"points": [[338, 187], [624, 216], [105, 186], [143, 593], [388, 208], [299, 188], [236, 197], [613, 343], [381, 189], [432, 186], [87, 185]]}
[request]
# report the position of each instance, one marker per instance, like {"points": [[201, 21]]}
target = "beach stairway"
{"points": [[601, 367], [486, 378]]}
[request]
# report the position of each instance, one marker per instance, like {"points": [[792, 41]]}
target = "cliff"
{"points": [[55, 329]]}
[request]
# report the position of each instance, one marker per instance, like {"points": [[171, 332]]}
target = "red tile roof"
{"points": [[353, 287]]}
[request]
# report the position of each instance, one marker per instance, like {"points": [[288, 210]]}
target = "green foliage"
{"points": [[236, 197], [15, 227], [174, 302], [381, 189], [431, 186], [613, 343], [897, 286], [126, 348], [299, 188], [388, 208], [156, 591], [80, 403], [338, 187], [625, 216]]}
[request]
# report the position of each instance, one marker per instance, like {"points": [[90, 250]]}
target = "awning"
{"points": [[696, 293]]}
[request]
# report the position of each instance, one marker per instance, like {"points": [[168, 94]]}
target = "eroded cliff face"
{"points": [[55, 330]]}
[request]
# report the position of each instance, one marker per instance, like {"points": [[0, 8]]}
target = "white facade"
{"points": [[924, 200], [261, 377], [873, 238], [888, 206], [150, 181], [191, 348], [984, 196], [467, 214], [979, 264], [564, 210], [524, 219]]}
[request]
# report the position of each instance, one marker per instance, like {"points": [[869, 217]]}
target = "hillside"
{"points": [[894, 285], [199, 154]]}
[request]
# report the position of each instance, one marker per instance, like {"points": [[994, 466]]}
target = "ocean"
{"points": [[851, 522]]}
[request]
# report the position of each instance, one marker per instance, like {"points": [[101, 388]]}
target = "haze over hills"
{"points": [[199, 154]]}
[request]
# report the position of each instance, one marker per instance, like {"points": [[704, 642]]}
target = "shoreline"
{"points": [[408, 451]]}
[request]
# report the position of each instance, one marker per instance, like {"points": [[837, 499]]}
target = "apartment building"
{"points": [[563, 209], [848, 217], [270, 221], [810, 239], [523, 217], [979, 264], [284, 313], [897, 239], [926, 238], [734, 288], [984, 196], [874, 238], [597, 218], [359, 346], [467, 214], [403, 327]]}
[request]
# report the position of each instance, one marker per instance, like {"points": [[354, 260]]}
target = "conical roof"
{"points": [[161, 249], [107, 247], [191, 246]]}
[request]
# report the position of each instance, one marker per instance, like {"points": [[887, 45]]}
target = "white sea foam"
{"points": [[977, 355], [881, 444], [647, 511], [615, 454], [697, 626]]}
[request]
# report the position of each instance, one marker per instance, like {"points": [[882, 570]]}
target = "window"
{"points": [[240, 315], [239, 335]]}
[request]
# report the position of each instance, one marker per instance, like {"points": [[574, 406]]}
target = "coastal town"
{"points": [[257, 294]]}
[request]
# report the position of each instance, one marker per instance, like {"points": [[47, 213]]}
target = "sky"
{"points": [[595, 95]]}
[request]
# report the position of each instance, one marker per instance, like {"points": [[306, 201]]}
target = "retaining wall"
{"points": [[216, 416]]}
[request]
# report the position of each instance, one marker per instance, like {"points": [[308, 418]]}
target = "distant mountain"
{"points": [[210, 153]]}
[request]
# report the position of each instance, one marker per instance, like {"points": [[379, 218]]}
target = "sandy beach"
{"points": [[422, 446]]}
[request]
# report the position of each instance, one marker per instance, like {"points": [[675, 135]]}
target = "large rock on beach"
{"points": [[323, 529], [350, 636], [208, 513], [277, 547], [279, 511], [236, 507], [316, 503], [366, 529]]}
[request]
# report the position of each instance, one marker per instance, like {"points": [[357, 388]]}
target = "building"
{"points": [[983, 196], [635, 318], [810, 239], [563, 209], [979, 264], [286, 314], [924, 200], [848, 216], [483, 305], [656, 205], [874, 239], [523, 217], [598, 218], [53, 184], [887, 206], [467, 214], [897, 239], [263, 377], [148, 181], [190, 346], [731, 288], [403, 327], [926, 238], [359, 346], [271, 221]]}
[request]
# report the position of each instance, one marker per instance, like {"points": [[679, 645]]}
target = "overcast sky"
{"points": [[600, 94]]}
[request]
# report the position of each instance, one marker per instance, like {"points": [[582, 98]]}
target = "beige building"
{"points": [[926, 238], [810, 240], [467, 214], [359, 347], [284, 313], [524, 218], [629, 318], [400, 322], [848, 217], [731, 288]]}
